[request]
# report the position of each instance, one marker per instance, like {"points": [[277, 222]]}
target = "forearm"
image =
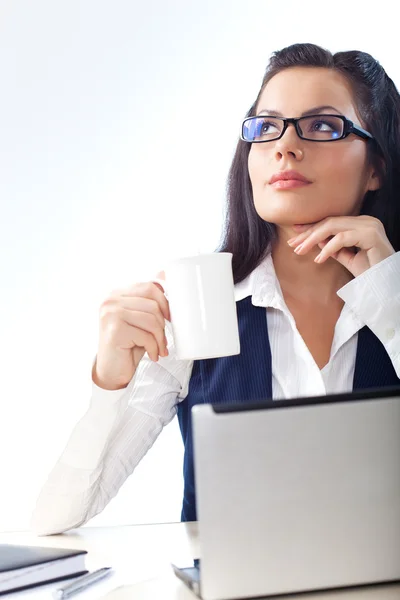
{"points": [[105, 447]]}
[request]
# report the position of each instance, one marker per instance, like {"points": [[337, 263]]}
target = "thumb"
{"points": [[160, 275]]}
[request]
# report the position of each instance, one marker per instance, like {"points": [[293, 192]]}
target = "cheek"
{"points": [[257, 167], [250, 165], [343, 168]]}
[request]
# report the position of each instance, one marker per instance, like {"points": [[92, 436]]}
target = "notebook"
{"points": [[24, 567]]}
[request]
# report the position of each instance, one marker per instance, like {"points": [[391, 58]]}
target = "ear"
{"points": [[374, 181]]}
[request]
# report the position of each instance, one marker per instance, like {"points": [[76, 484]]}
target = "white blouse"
{"points": [[120, 426]]}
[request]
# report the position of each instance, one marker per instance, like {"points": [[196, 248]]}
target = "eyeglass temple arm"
{"points": [[361, 132]]}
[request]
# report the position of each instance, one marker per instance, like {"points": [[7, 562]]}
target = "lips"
{"points": [[288, 176]]}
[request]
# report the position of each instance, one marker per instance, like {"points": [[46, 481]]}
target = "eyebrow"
{"points": [[311, 111]]}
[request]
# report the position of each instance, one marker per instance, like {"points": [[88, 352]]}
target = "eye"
{"points": [[330, 126], [322, 126], [269, 128]]}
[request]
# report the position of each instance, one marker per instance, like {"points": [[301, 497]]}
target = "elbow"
{"points": [[44, 526], [51, 523]]}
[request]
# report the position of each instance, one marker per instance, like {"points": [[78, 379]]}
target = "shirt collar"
{"points": [[264, 288], [262, 285]]}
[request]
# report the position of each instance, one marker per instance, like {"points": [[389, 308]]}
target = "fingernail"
{"points": [[298, 248]]}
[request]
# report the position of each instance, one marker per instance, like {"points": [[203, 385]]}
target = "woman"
{"points": [[313, 225]]}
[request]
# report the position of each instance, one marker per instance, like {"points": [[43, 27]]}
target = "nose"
{"points": [[290, 145]]}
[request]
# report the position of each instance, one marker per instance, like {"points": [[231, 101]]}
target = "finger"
{"points": [[122, 335], [344, 239], [159, 285], [145, 341], [146, 322], [328, 227], [160, 275], [315, 239], [347, 258], [164, 302], [299, 239], [355, 262], [152, 291], [146, 305]]}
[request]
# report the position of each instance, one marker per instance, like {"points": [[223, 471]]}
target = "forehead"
{"points": [[297, 89]]}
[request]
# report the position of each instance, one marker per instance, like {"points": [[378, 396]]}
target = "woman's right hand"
{"points": [[132, 322]]}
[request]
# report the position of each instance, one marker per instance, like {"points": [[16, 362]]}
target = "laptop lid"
{"points": [[298, 495]]}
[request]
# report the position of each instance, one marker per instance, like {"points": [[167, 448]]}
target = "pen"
{"points": [[81, 583]]}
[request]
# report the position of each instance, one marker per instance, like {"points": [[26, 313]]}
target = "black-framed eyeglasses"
{"points": [[314, 128]]}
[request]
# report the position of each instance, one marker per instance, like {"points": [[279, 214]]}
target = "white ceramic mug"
{"points": [[200, 292]]}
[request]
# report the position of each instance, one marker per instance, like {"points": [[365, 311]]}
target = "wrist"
{"points": [[106, 383]]}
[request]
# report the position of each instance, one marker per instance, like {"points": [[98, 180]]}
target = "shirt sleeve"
{"points": [[374, 296], [108, 442]]}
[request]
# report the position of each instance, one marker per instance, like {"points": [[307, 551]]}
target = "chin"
{"points": [[290, 221], [285, 213], [288, 217]]}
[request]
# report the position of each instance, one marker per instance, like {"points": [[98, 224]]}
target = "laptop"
{"points": [[296, 495]]}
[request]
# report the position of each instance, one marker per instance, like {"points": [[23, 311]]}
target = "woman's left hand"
{"points": [[339, 236]]}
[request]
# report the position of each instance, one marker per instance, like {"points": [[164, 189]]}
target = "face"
{"points": [[338, 173]]}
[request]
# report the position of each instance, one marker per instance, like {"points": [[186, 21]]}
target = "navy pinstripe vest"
{"points": [[247, 377]]}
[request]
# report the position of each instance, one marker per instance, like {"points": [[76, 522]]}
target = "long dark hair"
{"points": [[245, 233]]}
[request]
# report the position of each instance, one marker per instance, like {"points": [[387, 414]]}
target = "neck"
{"points": [[302, 278]]}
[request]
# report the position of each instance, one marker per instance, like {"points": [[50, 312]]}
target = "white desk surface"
{"points": [[140, 556]]}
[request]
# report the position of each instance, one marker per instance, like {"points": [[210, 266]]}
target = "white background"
{"points": [[119, 120]]}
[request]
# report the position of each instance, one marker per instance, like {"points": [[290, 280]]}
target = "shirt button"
{"points": [[390, 334]]}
